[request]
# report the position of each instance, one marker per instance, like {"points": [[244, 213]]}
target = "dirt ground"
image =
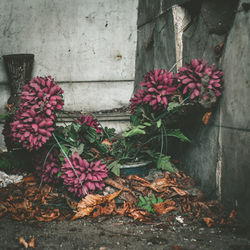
{"points": [[121, 233]]}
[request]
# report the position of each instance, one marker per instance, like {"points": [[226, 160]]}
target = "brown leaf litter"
{"points": [[28, 201]]}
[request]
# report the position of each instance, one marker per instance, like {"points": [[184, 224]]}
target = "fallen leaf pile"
{"points": [[27, 200], [178, 192]]}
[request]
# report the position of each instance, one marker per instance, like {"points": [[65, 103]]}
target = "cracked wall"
{"points": [[218, 156], [88, 46]]}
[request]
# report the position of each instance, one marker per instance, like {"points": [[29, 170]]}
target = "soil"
{"points": [[121, 233]]}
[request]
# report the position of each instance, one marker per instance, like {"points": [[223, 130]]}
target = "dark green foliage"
{"points": [[146, 202]]}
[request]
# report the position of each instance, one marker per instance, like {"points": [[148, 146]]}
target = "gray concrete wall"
{"points": [[219, 155], [87, 45], [156, 38]]}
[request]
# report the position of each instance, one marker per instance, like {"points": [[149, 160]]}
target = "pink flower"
{"points": [[137, 99], [84, 177], [35, 120], [192, 76], [90, 121], [49, 168], [159, 88]]}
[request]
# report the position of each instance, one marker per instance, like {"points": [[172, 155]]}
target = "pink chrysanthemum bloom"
{"points": [[90, 121], [137, 99], [49, 168], [192, 76], [34, 121], [159, 88], [84, 177]]}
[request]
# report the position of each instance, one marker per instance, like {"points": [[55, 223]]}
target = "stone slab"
{"points": [[236, 65], [164, 45], [200, 158], [144, 52], [236, 171], [148, 10], [72, 40], [95, 96]]}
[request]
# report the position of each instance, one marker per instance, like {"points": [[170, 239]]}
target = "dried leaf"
{"points": [[137, 178], [140, 215], [30, 178], [32, 242], [206, 117], [232, 214], [23, 242], [117, 185], [107, 142], [108, 209], [179, 191], [209, 221], [128, 197], [25, 204], [164, 207], [17, 217], [123, 211], [89, 203], [49, 216]]}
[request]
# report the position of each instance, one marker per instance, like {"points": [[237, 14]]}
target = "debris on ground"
{"points": [[6, 179], [172, 195]]}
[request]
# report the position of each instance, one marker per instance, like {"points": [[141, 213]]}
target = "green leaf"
{"points": [[165, 164], [78, 150], [135, 131], [158, 123], [116, 170], [173, 105], [177, 133], [65, 149], [153, 199], [114, 167], [159, 200], [142, 199], [148, 124]]}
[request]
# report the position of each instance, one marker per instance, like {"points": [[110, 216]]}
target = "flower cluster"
{"points": [[82, 177], [159, 88], [196, 82], [34, 121], [47, 164], [197, 75], [90, 121]]}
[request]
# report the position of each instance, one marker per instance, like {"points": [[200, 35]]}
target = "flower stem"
{"points": [[84, 189]]}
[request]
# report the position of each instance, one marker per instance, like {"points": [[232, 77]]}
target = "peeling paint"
{"points": [[181, 19], [219, 160]]}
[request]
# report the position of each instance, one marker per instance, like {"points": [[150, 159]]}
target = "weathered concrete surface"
{"points": [[236, 171], [73, 41], [121, 233], [148, 10], [96, 96], [4, 94], [156, 39], [87, 46], [218, 156], [207, 30], [235, 115], [145, 52]]}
